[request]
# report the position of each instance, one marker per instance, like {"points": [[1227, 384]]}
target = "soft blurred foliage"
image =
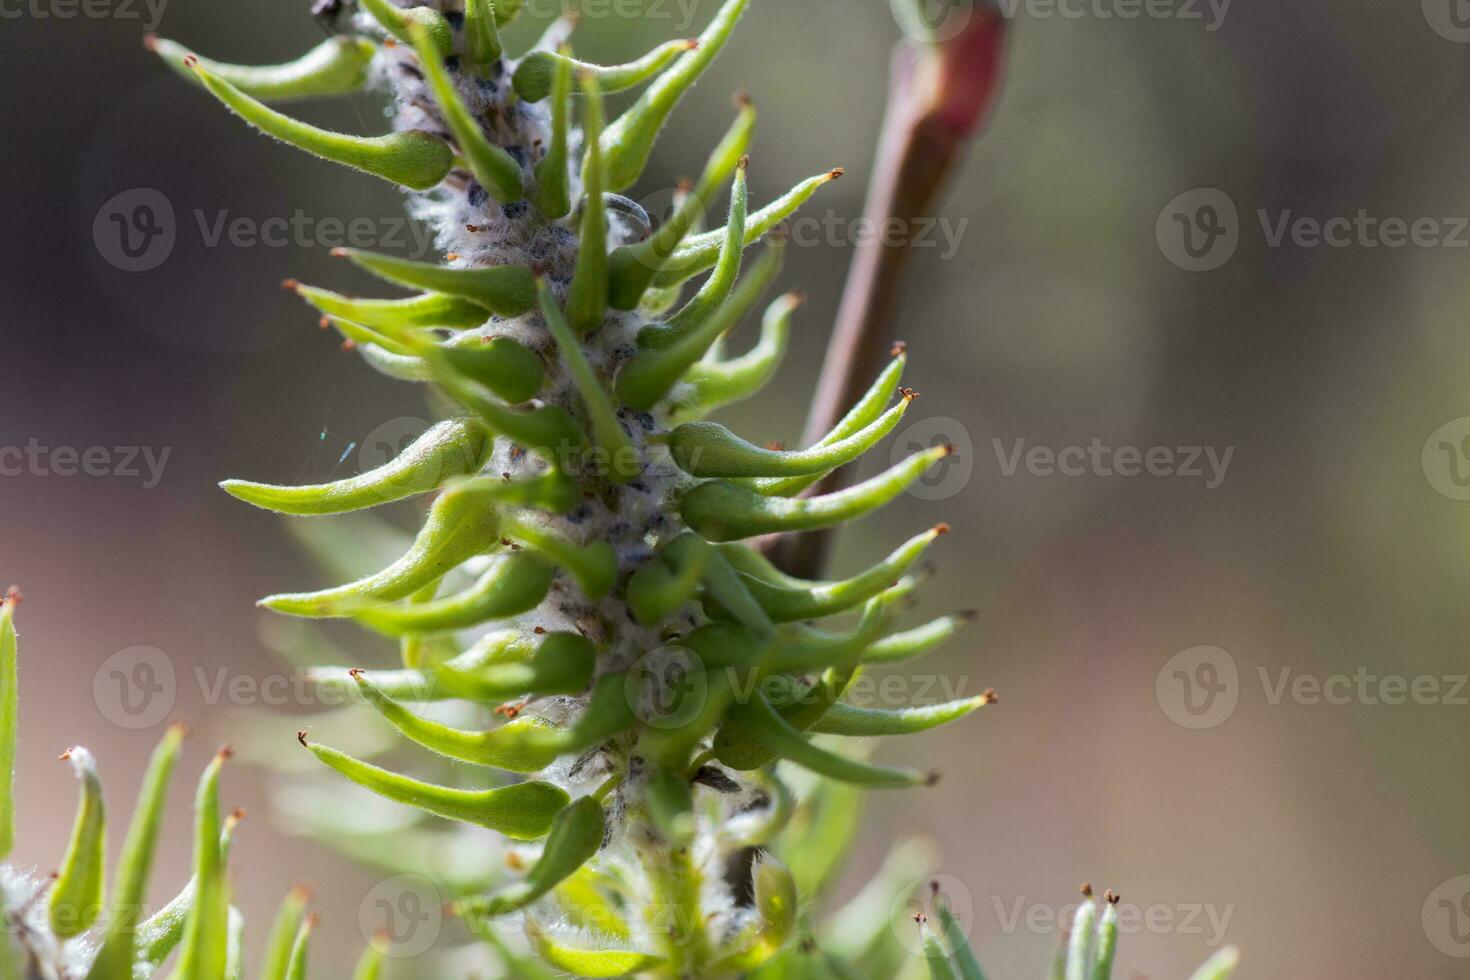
{"points": [[1320, 829]]}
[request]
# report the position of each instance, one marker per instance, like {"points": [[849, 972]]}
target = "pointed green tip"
{"points": [[294, 605], [412, 158]]}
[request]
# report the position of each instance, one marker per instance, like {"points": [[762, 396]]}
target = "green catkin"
{"points": [[575, 527]]}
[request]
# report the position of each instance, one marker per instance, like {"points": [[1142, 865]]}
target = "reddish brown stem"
{"points": [[939, 95]]}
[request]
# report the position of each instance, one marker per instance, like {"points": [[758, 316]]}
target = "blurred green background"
{"points": [[1321, 830]]}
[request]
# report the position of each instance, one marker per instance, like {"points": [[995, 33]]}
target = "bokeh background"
{"points": [[1330, 546]]}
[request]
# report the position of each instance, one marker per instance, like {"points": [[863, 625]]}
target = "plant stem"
{"points": [[939, 94]]}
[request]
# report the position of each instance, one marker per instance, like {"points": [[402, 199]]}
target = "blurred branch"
{"points": [[942, 82]]}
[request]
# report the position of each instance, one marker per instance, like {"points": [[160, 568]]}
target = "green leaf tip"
{"points": [[116, 958], [338, 66], [76, 897], [449, 449], [204, 950], [506, 290], [482, 32], [634, 267], [413, 158], [701, 252], [493, 167], [722, 511], [576, 836], [607, 429], [935, 956], [281, 942], [403, 23], [587, 296], [523, 811], [1220, 966], [710, 450], [629, 141], [586, 956], [535, 76]]}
